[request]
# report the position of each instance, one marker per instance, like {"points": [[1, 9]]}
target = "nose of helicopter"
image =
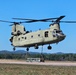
{"points": [[62, 37]]}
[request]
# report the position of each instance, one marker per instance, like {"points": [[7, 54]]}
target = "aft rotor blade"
{"points": [[6, 21], [22, 19], [28, 20], [15, 23]]}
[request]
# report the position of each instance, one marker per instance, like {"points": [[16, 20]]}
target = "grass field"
{"points": [[13, 69]]}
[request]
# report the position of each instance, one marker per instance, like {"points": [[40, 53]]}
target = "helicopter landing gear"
{"points": [[14, 48], [49, 47], [27, 49], [36, 46]]}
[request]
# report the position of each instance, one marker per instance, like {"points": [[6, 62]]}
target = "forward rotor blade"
{"points": [[68, 21], [32, 21], [35, 20], [43, 20], [49, 21], [60, 18], [46, 20]]}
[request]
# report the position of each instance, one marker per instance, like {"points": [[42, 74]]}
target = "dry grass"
{"points": [[13, 69]]}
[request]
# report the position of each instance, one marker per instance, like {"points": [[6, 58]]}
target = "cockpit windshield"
{"points": [[59, 31]]}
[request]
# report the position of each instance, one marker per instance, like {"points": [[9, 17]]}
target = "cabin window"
{"points": [[46, 34], [25, 38], [32, 36], [39, 35], [18, 38], [22, 37]]}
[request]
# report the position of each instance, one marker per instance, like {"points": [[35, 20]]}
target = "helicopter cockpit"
{"points": [[58, 33]]}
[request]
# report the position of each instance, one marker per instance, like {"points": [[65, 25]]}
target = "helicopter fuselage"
{"points": [[40, 37]]}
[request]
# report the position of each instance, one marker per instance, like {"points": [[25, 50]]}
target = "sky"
{"points": [[39, 9]]}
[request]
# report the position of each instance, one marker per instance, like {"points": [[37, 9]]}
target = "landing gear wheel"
{"points": [[27, 49], [49, 47], [14, 48], [36, 46]]}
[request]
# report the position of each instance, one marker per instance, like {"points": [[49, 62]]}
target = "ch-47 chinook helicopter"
{"points": [[22, 38]]}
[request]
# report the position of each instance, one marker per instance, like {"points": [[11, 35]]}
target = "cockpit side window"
{"points": [[57, 31], [24, 28], [54, 33]]}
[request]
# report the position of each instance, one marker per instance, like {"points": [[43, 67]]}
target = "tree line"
{"points": [[50, 57]]}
